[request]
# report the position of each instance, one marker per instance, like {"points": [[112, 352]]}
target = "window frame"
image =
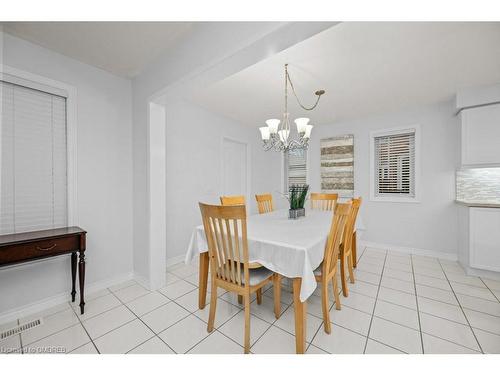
{"points": [[388, 132], [284, 170], [35, 81]]}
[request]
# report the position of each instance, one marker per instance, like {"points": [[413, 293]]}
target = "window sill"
{"points": [[395, 199]]}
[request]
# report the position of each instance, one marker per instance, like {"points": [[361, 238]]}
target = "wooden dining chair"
{"points": [[238, 200], [327, 270], [325, 202], [226, 232], [346, 248], [265, 203], [232, 200]]}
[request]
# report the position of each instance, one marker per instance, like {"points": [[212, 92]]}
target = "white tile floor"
{"points": [[399, 304]]}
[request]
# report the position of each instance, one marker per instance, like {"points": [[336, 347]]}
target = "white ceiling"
{"points": [[366, 69], [122, 48]]}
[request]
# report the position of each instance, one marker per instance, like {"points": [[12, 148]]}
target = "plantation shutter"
{"points": [[297, 167], [33, 159], [395, 164]]}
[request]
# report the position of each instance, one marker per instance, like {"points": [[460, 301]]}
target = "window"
{"points": [[33, 159], [295, 167], [394, 165]]}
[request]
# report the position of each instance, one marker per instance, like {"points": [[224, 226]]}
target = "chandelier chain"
{"points": [[297, 98]]}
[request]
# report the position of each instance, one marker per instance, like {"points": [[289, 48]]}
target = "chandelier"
{"points": [[276, 135]]}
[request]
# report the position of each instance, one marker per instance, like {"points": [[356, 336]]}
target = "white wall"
{"points": [[192, 54], [194, 155], [104, 185], [428, 225], [194, 62]]}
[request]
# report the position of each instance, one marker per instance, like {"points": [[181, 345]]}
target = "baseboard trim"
{"points": [[492, 275], [47, 303], [142, 281], [410, 250], [175, 260]]}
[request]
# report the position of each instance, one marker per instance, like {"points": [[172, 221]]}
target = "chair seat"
{"points": [[258, 275]]}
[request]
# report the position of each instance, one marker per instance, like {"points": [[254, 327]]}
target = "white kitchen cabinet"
{"points": [[479, 247], [481, 136], [484, 251]]}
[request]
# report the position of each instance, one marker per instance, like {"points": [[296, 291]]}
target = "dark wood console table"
{"points": [[28, 246]]}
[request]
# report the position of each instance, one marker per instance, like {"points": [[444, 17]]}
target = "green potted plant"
{"points": [[297, 197]]}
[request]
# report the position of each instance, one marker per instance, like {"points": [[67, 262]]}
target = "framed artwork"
{"points": [[337, 165]]}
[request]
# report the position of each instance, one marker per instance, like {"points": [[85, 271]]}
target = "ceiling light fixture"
{"points": [[276, 135]]}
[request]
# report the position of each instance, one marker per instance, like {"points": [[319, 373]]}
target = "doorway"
{"points": [[235, 168]]}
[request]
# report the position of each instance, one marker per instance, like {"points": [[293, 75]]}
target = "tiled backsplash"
{"points": [[480, 185]]}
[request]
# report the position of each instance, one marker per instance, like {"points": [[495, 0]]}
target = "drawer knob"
{"points": [[46, 248]]}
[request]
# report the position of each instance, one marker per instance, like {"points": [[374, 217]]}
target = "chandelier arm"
{"points": [[297, 98]]}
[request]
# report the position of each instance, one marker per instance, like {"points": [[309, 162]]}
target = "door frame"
{"points": [[248, 166]]}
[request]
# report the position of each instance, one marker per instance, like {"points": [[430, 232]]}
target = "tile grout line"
{"points": [[288, 306], [272, 324], [310, 343], [20, 338], [53, 333], [486, 285], [138, 317], [215, 328], [375, 305], [195, 345], [85, 329], [232, 317], [317, 347], [402, 325], [390, 346], [330, 309], [461, 308], [418, 309]]}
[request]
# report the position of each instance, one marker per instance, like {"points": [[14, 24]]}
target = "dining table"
{"points": [[293, 248]]}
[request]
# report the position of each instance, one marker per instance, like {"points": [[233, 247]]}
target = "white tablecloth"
{"points": [[292, 248]]}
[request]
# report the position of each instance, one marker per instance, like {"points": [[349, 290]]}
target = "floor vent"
{"points": [[22, 328]]}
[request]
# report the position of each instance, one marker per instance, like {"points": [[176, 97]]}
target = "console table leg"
{"points": [[81, 275], [73, 276]]}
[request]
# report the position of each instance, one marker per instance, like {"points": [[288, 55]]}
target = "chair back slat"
{"points": [[325, 202], [337, 228], [232, 200], [230, 253], [225, 229], [351, 223], [265, 203], [237, 252]]}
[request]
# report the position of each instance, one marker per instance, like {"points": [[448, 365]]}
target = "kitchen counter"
{"points": [[479, 204]]}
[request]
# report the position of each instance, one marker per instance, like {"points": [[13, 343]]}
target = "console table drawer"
{"points": [[38, 249]]}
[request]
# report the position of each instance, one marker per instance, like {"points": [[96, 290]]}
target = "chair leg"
{"points": [[240, 299], [258, 292], [213, 306], [336, 293], [277, 295], [247, 323], [350, 268], [343, 276], [324, 305]]}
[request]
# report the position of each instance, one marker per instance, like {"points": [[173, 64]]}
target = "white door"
{"points": [[234, 168]]}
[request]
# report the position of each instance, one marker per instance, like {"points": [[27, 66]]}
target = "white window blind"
{"points": [[33, 160], [395, 164], [296, 167]]}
